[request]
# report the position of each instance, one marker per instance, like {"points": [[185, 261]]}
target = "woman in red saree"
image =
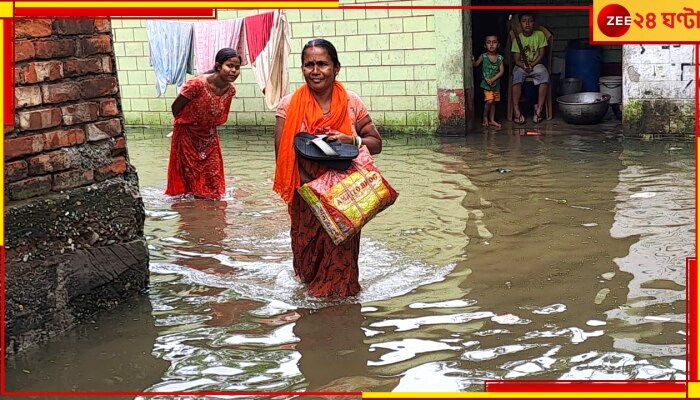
{"points": [[196, 166], [322, 105]]}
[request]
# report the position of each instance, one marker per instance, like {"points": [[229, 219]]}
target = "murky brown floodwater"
{"points": [[569, 266]]}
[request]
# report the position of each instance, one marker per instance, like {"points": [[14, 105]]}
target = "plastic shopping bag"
{"points": [[344, 201]]}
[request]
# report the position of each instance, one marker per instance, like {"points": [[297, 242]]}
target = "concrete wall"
{"points": [[396, 59], [73, 214], [659, 89]]}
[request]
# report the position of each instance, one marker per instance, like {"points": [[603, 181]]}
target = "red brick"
{"points": [[27, 74], [108, 108], [74, 26], [23, 145], [30, 187], [49, 162], [32, 28], [15, 170], [107, 65], [54, 48], [42, 71], [82, 66], [103, 25], [39, 119], [18, 74], [116, 167], [60, 92], [119, 143], [56, 139], [119, 146], [98, 87], [95, 45], [103, 129], [27, 96], [79, 113], [71, 179], [24, 50]]}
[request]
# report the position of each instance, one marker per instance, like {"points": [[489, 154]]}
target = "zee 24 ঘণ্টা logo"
{"points": [[614, 20]]}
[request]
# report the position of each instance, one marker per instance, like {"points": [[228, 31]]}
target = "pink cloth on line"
{"points": [[257, 31], [212, 36]]}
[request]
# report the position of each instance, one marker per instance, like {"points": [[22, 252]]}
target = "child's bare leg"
{"points": [[487, 108], [492, 116], [517, 91]]}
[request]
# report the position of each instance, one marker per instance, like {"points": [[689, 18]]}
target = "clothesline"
{"points": [[262, 40]]}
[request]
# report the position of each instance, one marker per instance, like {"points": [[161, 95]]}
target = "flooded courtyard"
{"points": [[507, 256]]}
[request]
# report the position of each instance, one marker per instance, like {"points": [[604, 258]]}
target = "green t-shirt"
{"points": [[531, 44], [489, 69]]}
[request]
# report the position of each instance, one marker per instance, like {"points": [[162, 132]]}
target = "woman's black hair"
{"points": [[221, 57], [324, 44]]}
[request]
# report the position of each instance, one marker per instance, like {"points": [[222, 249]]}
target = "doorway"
{"points": [[569, 27], [489, 22]]}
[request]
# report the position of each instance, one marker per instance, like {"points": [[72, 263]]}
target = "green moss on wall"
{"points": [[633, 111], [658, 117]]}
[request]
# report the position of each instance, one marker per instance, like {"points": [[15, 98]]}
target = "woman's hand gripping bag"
{"points": [[344, 201]]}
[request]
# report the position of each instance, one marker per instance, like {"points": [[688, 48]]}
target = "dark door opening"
{"points": [[489, 22]]}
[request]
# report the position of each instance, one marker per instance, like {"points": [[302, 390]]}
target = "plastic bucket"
{"points": [[583, 62], [612, 85]]}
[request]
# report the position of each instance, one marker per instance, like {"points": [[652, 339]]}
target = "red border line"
{"points": [[691, 290], [691, 264], [211, 393], [697, 102], [8, 42], [36, 12], [467, 7], [125, 18]]}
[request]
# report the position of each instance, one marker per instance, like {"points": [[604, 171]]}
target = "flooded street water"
{"points": [[559, 256]]}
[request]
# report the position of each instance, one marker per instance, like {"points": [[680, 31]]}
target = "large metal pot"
{"points": [[584, 108]]}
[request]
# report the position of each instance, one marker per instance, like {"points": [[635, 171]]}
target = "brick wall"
{"points": [[388, 57], [74, 240], [66, 104], [659, 89]]}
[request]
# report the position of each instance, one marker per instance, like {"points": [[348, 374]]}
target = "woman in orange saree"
{"points": [[196, 166], [320, 106]]}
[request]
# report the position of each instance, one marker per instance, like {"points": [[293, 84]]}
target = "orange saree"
{"points": [[329, 271]]}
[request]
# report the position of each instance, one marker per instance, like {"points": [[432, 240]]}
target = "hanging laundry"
{"points": [[170, 44], [212, 36], [270, 64], [257, 30]]}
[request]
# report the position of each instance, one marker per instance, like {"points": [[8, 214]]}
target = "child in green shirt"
{"points": [[492, 68], [528, 62]]}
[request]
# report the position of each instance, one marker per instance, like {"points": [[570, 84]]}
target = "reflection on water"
{"points": [[557, 256], [653, 199]]}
